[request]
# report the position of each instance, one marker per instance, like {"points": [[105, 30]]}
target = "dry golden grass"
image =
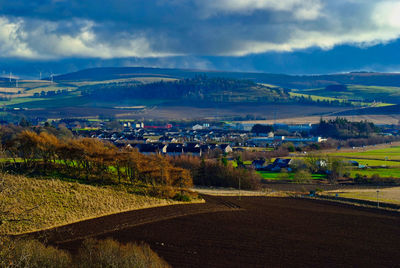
{"points": [[387, 195], [52, 203], [229, 192]]}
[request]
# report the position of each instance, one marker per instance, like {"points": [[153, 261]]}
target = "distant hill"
{"points": [[282, 80], [197, 89]]}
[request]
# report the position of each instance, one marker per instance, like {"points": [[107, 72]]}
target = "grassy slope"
{"points": [[360, 92], [59, 202]]}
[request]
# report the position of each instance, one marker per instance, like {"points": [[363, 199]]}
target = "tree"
{"points": [[23, 122], [336, 169], [289, 146], [284, 175], [302, 176]]}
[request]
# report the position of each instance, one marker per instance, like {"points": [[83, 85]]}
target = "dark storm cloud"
{"points": [[51, 29]]}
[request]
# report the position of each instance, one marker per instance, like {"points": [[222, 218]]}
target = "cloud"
{"points": [[77, 38], [301, 9], [194, 28]]}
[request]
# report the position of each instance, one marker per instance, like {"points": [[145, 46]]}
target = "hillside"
{"points": [[198, 89], [104, 91], [282, 80], [54, 202]]}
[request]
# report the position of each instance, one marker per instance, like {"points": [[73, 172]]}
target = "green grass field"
{"points": [[382, 172], [276, 176], [322, 98], [392, 153], [18, 101], [376, 163], [385, 95]]}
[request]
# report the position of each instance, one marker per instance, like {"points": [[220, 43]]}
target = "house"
{"points": [[226, 148], [192, 145], [197, 127], [167, 139], [282, 162], [195, 151], [205, 148], [174, 149], [279, 164], [257, 164], [321, 163], [147, 148]]}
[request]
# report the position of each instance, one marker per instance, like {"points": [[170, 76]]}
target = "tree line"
{"points": [[90, 160], [218, 172], [341, 128]]}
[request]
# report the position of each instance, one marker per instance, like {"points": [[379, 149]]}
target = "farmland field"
{"points": [[252, 232], [360, 92], [376, 163], [324, 98], [387, 195], [391, 153], [382, 172], [277, 176]]}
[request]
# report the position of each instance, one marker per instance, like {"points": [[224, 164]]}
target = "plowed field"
{"points": [[253, 232]]}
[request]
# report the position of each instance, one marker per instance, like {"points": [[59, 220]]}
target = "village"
{"points": [[189, 138]]}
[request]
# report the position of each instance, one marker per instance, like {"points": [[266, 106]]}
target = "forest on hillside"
{"points": [[200, 89]]}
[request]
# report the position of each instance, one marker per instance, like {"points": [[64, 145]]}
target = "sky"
{"points": [[285, 36]]}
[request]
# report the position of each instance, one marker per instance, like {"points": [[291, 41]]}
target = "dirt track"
{"points": [[253, 232]]}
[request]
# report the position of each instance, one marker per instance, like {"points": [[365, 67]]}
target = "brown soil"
{"points": [[252, 232]]}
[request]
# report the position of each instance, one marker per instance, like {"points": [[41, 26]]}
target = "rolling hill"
{"points": [[200, 89], [103, 91], [282, 80]]}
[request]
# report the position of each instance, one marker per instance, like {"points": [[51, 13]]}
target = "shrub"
{"points": [[93, 253], [302, 176], [162, 191], [375, 177], [182, 197], [31, 253], [283, 175], [110, 253]]}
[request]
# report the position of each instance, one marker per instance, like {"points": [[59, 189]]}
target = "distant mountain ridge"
{"points": [[282, 80]]}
